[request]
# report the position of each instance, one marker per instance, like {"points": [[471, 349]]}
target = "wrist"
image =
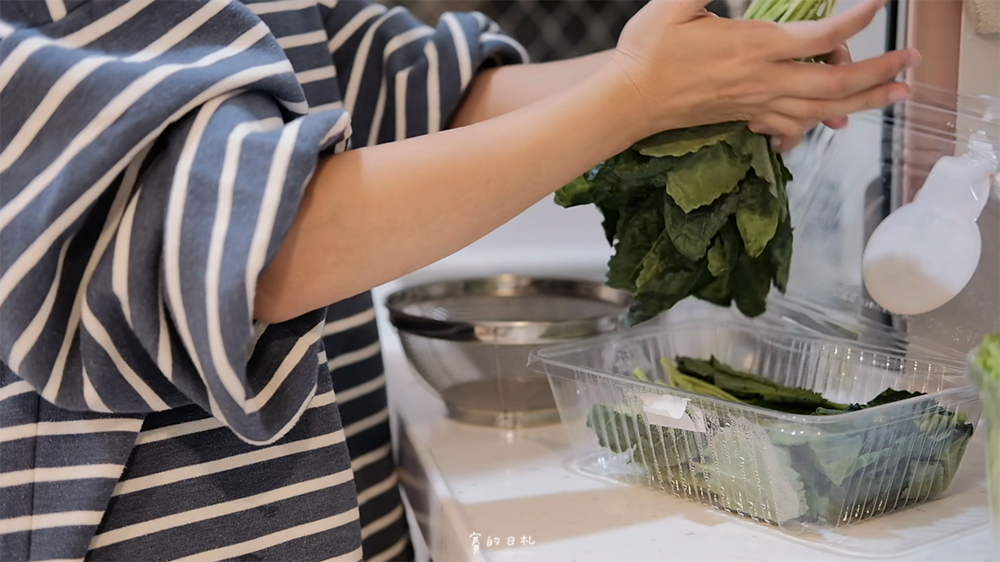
{"points": [[613, 100]]}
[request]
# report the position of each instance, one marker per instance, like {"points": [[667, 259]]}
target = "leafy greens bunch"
{"points": [[777, 472], [701, 211]]}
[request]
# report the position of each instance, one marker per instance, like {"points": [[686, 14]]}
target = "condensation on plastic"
{"points": [[837, 198], [738, 443]]}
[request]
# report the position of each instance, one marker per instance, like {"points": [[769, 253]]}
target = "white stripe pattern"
{"points": [[366, 423], [393, 551], [352, 357], [362, 389], [50, 521], [133, 485], [367, 459], [277, 538], [77, 427], [382, 522], [176, 152], [220, 509], [60, 473], [302, 39], [349, 323]]}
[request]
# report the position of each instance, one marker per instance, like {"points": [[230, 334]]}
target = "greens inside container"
{"points": [[811, 474]]}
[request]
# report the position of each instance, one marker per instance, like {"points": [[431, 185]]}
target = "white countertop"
{"points": [[462, 479]]}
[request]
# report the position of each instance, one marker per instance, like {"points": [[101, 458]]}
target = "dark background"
{"points": [[548, 29]]}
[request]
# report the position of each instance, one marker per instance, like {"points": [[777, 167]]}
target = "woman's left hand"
{"points": [[787, 130]]}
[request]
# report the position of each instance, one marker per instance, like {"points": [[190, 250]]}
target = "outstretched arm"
{"points": [[377, 213], [498, 91]]}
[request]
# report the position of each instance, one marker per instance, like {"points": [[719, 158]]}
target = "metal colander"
{"points": [[469, 340]]}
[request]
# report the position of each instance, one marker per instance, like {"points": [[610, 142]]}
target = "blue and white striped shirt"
{"points": [[152, 158]]}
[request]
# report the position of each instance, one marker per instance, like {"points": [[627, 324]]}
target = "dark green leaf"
{"points": [[751, 282], [786, 174], [779, 254], [636, 171], [717, 292], [637, 232], [754, 148], [612, 216], [700, 178], [889, 396], [758, 215], [665, 278], [692, 232], [679, 142], [581, 191], [725, 250]]}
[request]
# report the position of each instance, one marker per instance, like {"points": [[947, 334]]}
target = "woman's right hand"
{"points": [[685, 67]]}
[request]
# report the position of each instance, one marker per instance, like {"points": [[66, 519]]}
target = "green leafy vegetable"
{"points": [[758, 215], [836, 472], [709, 183], [685, 141], [692, 233], [637, 233], [699, 178]]}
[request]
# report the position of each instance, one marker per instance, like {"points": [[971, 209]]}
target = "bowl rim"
{"points": [[516, 332]]}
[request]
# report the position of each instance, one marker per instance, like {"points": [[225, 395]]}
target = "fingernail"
{"points": [[776, 144], [914, 60], [898, 95]]}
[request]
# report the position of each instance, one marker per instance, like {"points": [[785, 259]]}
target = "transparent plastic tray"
{"points": [[792, 471]]}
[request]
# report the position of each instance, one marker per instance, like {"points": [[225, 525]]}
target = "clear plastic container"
{"points": [[826, 334], [989, 392], [793, 471], [846, 182]]}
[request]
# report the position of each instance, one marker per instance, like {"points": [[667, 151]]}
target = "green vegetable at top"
{"points": [[988, 356], [701, 211]]}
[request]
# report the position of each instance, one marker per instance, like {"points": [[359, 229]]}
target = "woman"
{"points": [[197, 196]]}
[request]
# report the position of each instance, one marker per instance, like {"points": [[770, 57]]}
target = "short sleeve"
{"points": [[152, 159], [401, 78]]}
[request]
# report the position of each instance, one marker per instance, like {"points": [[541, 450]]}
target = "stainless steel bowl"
{"points": [[469, 340]]}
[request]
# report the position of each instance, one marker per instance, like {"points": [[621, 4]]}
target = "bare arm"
{"points": [[498, 91], [374, 214]]}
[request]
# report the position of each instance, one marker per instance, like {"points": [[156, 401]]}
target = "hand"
{"points": [[687, 68], [787, 132]]}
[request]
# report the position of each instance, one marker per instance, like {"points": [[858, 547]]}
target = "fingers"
{"points": [[841, 55], [828, 82], [837, 122], [801, 40], [782, 127], [785, 133], [822, 110]]}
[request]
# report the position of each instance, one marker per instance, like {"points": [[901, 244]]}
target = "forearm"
{"points": [[374, 214], [499, 91]]}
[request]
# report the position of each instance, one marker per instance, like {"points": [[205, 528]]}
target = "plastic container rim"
{"points": [[540, 357]]}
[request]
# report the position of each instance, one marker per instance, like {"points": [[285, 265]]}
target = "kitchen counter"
{"points": [[523, 486]]}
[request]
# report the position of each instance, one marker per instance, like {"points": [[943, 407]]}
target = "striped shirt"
{"points": [[152, 158]]}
